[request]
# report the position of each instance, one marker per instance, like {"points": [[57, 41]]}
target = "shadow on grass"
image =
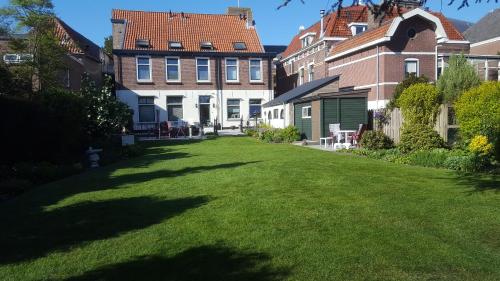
{"points": [[148, 176], [480, 182], [33, 235], [207, 263]]}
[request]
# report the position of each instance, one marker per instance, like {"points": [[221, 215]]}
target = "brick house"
{"points": [[195, 68], [83, 56]]}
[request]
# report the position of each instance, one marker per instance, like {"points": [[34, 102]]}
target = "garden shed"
{"points": [[313, 114]]}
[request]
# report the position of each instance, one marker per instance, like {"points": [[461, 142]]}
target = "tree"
{"points": [[106, 115], [108, 45], [403, 85], [457, 78], [37, 19]]}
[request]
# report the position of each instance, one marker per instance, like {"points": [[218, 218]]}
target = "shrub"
{"points": [[457, 78], [419, 137], [478, 113], [376, 140], [420, 104], [251, 132], [290, 134], [39, 173], [468, 162], [480, 146], [403, 85], [427, 158]]}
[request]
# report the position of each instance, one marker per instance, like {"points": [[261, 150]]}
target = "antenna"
{"points": [[238, 3]]}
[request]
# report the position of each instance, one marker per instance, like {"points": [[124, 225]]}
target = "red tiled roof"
{"points": [[190, 29], [337, 25], [75, 42], [379, 32]]}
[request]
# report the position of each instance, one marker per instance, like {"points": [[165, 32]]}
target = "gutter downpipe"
{"points": [[378, 76]]}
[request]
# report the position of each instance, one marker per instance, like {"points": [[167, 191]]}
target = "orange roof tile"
{"points": [[190, 29], [75, 42]]}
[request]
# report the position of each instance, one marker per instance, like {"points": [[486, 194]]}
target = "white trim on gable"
{"points": [[485, 42], [307, 34]]}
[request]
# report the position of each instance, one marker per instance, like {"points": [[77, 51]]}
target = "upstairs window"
{"points": [[144, 69], [232, 70], [255, 70], [203, 70], [301, 76], [206, 45], [147, 109], [411, 67], [357, 28], [307, 39], [173, 66], [310, 71], [175, 45], [142, 43], [238, 46]]}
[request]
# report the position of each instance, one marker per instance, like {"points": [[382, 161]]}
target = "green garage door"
{"points": [[303, 124], [349, 112]]}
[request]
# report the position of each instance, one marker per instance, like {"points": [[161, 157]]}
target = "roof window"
{"points": [[240, 46], [175, 45], [142, 43], [206, 45]]}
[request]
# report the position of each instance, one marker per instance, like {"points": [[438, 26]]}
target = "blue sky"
{"points": [[91, 17]]}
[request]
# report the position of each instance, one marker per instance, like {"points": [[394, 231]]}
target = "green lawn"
{"points": [[236, 209]]}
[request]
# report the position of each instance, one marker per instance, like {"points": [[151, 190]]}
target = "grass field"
{"points": [[236, 209]]}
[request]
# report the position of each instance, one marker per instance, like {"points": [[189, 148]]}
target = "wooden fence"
{"points": [[445, 124]]}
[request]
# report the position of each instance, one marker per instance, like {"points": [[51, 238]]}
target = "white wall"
{"points": [[278, 123], [190, 101]]}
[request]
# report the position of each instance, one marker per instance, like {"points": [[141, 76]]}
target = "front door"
{"points": [[204, 108]]}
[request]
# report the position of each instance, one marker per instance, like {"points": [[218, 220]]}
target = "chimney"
{"points": [[243, 13], [301, 28], [322, 32]]}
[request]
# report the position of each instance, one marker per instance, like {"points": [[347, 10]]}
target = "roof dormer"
{"points": [[307, 39], [357, 27]]}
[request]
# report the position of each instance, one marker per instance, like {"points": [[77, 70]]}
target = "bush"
{"points": [[290, 134], [457, 78], [403, 85], [251, 132], [480, 146], [427, 158], [420, 104], [468, 162], [376, 140], [419, 137], [39, 173], [478, 113]]}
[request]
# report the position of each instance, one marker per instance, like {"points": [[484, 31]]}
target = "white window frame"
{"points": [[237, 70], [250, 70], [227, 108], [411, 60], [146, 104], [305, 108], [178, 69], [209, 74], [181, 104], [309, 77], [150, 69], [301, 75]]}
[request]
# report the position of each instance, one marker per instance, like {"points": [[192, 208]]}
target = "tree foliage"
{"points": [[106, 115], [403, 85], [457, 78], [478, 113], [36, 18], [108, 45], [420, 104]]}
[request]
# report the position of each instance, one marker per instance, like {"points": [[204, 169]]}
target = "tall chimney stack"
{"points": [[322, 32]]}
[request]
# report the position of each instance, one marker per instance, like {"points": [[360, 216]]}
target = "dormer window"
{"points": [[239, 46], [175, 45], [307, 39], [206, 45], [358, 27], [142, 43]]}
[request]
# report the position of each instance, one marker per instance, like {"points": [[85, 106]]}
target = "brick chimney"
{"points": [[242, 12]]}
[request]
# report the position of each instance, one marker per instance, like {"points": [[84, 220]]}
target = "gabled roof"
{"points": [[75, 42], [301, 91], [336, 24], [486, 28], [189, 29], [445, 29]]}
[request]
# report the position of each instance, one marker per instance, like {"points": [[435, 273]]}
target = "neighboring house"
{"points": [[484, 36], [195, 68], [83, 56]]}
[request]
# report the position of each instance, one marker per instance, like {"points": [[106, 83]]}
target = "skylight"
{"points": [[174, 45], [240, 46], [206, 45], [142, 43]]}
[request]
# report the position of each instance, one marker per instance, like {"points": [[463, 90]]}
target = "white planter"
{"points": [[128, 140]]}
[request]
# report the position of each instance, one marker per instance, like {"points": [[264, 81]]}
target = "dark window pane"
{"points": [[171, 100], [174, 112], [146, 113], [204, 99], [233, 102], [146, 100]]}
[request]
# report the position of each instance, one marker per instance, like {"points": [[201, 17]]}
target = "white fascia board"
{"points": [[485, 42], [364, 46], [307, 34], [446, 41], [440, 32], [304, 50], [357, 23], [335, 38]]}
